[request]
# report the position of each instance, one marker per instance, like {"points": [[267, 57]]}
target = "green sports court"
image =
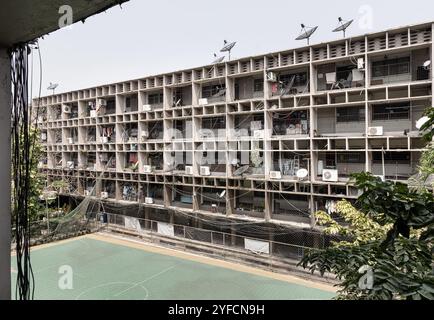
{"points": [[104, 267]]}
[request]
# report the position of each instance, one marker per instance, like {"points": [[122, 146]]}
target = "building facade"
{"points": [[271, 137]]}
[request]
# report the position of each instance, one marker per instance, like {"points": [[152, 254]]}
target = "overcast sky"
{"points": [[148, 37]]}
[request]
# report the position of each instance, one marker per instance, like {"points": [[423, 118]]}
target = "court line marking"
{"points": [[150, 247], [146, 280], [109, 284]]}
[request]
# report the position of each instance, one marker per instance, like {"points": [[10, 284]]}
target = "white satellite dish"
{"points": [[217, 59], [343, 25], [302, 173], [427, 65], [227, 47], [306, 32], [421, 122], [52, 86], [222, 194]]}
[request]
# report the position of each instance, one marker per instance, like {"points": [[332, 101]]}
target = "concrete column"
{"points": [[5, 176]]}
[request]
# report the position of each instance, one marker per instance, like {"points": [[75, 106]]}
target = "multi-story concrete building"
{"points": [[332, 109]]}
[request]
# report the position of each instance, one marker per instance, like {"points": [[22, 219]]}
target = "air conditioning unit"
{"points": [[271, 76], [375, 131], [102, 102], [87, 193], [256, 125], [204, 171], [93, 113], [70, 140], [44, 136], [66, 109], [104, 139], [104, 195], [188, 170], [330, 175], [144, 134], [360, 63], [149, 200], [147, 169], [258, 134], [275, 175], [203, 101], [70, 164], [146, 108]]}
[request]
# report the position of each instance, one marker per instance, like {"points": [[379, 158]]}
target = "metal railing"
{"points": [[294, 247]]}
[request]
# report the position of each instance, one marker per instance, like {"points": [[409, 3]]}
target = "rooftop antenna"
{"points": [[218, 59], [53, 87], [343, 25], [306, 32], [227, 47]]}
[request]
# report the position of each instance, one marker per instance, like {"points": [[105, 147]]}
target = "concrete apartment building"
{"points": [[232, 138]]}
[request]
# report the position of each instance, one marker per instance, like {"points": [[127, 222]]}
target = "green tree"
{"points": [[37, 182], [390, 233]]}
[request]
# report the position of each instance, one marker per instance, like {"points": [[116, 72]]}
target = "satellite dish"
{"points": [[241, 170], [427, 65], [217, 59], [222, 194], [235, 162], [302, 173], [421, 122], [343, 25], [227, 47], [306, 32], [52, 86]]}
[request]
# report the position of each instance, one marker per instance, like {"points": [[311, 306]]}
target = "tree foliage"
{"points": [[37, 182], [391, 231]]}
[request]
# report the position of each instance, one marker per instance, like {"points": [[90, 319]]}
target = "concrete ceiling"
{"points": [[25, 20]]}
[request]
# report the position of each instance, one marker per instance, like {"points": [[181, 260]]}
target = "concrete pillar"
{"points": [[5, 176]]}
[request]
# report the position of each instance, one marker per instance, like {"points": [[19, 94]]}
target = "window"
{"points": [[391, 67], [155, 98], [258, 85], [209, 91], [397, 111], [391, 157], [349, 114], [300, 79], [353, 157]]}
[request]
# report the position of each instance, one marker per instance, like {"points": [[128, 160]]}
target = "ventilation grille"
{"points": [[377, 44]]}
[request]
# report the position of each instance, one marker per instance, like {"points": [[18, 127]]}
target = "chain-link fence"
{"points": [[288, 244]]}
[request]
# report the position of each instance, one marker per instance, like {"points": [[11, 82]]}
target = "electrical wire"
{"points": [[21, 167]]}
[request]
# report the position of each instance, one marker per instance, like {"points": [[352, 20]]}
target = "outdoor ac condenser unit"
{"points": [[147, 169], [149, 200], [93, 113], [330, 175], [70, 164], [258, 134], [188, 170], [375, 131], [104, 195], [203, 101], [275, 175], [66, 109], [144, 134], [146, 108], [102, 102], [86, 193], [204, 171], [271, 76]]}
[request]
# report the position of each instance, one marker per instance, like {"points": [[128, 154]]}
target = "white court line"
{"points": [[110, 284], [147, 279]]}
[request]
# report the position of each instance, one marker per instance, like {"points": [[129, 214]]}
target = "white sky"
{"points": [[149, 37]]}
